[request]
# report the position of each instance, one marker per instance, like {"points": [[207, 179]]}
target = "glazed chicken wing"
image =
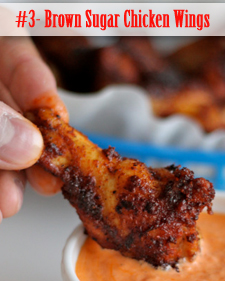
{"points": [[145, 213]]}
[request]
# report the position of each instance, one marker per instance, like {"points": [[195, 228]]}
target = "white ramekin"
{"points": [[77, 238]]}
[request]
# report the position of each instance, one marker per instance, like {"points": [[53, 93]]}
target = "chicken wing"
{"points": [[145, 213]]}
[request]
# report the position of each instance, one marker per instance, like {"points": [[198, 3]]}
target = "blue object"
{"points": [[207, 164]]}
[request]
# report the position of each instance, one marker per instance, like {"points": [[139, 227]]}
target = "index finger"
{"points": [[28, 78]]}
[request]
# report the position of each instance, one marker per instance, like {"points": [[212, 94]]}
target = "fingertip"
{"points": [[12, 185], [61, 109], [27, 76], [21, 142], [43, 182], [20, 191], [51, 100], [35, 81]]}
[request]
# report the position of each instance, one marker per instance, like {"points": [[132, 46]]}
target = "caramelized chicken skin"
{"points": [[145, 213]]}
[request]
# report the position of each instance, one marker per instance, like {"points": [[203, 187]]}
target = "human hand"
{"points": [[25, 83]]}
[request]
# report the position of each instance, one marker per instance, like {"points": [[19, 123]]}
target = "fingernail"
{"points": [[20, 142], [20, 192]]}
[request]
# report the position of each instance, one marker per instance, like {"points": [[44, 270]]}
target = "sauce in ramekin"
{"points": [[95, 263]]}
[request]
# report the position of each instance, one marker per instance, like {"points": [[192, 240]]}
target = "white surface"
{"points": [[31, 242], [77, 238]]}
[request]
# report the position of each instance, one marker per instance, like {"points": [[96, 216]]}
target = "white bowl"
{"points": [[77, 238]]}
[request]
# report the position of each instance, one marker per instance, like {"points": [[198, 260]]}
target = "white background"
{"points": [[31, 242]]}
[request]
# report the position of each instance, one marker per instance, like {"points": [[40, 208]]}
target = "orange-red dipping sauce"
{"points": [[97, 264]]}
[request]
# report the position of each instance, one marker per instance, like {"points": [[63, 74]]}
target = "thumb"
{"points": [[21, 142]]}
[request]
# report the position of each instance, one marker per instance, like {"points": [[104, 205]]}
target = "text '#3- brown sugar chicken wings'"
{"points": [[145, 213]]}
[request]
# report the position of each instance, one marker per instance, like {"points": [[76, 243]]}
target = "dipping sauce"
{"points": [[95, 263]]}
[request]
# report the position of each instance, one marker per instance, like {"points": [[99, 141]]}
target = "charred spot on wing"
{"points": [[81, 192], [110, 153], [133, 182], [129, 240], [151, 207], [53, 149], [155, 174], [118, 209], [191, 238], [172, 193], [172, 168], [84, 199], [172, 239]]}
